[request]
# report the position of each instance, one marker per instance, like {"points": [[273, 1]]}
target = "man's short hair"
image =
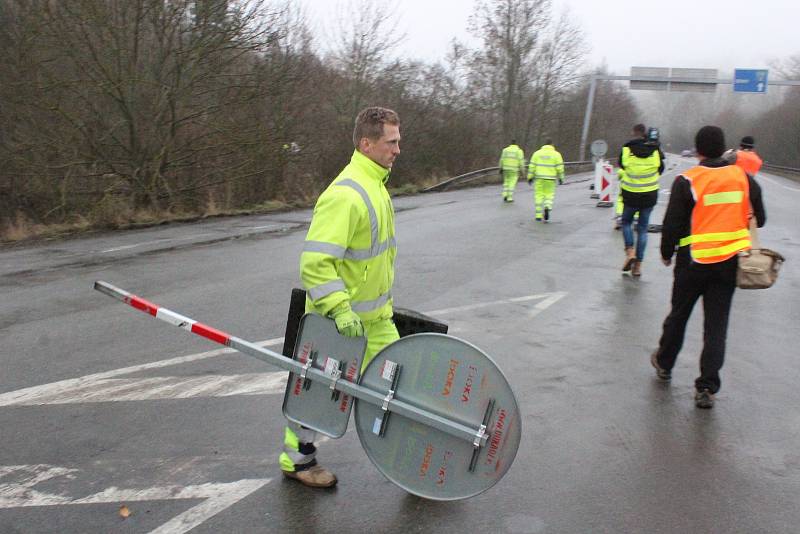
{"points": [[747, 142], [640, 129], [370, 121], [710, 141], [548, 140]]}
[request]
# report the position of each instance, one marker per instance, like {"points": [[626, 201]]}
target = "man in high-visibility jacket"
{"points": [[545, 168], [746, 156], [641, 163], [347, 264], [707, 222], [512, 163]]}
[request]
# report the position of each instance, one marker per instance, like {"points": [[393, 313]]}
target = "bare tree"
{"points": [[511, 31]]}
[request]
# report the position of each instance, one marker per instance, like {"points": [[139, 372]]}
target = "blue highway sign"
{"points": [[750, 80]]}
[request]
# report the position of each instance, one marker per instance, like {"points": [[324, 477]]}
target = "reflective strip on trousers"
{"points": [[294, 435]]}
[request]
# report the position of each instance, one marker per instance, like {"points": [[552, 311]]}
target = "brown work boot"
{"points": [[313, 477], [630, 258], [637, 268]]}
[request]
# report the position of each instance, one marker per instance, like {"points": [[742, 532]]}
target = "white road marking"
{"points": [[216, 496], [770, 180], [513, 300], [546, 303], [109, 387], [21, 396], [154, 242]]}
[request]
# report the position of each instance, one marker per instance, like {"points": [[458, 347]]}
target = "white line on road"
{"points": [[216, 496], [154, 242], [108, 387], [776, 182], [513, 300], [20, 396]]}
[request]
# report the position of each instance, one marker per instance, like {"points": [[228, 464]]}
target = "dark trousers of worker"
{"points": [[715, 283]]}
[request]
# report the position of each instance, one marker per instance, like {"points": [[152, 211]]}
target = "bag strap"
{"points": [[753, 227]]}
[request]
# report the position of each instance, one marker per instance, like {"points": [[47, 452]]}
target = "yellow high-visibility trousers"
{"points": [[544, 191], [509, 183]]}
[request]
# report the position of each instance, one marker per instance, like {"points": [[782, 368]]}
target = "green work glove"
{"points": [[347, 322]]}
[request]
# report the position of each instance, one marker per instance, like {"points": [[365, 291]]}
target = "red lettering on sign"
{"points": [[497, 435], [472, 371], [451, 375], [302, 358], [349, 376], [442, 473], [426, 461]]}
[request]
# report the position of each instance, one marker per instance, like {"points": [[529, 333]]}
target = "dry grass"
{"points": [[21, 229]]}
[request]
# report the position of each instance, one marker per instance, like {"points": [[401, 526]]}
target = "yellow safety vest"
{"points": [[640, 175]]}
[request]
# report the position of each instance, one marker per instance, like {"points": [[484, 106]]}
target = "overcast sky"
{"points": [[623, 33]]}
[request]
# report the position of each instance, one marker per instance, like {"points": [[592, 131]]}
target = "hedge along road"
{"points": [[101, 406]]}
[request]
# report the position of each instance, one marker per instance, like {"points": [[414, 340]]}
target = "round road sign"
{"points": [[598, 148], [457, 381]]}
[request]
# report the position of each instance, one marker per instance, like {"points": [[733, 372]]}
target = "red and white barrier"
{"points": [[604, 184]]}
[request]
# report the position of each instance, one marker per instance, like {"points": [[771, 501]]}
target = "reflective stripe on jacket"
{"points": [[350, 247], [720, 213], [546, 163], [640, 175], [512, 158], [749, 161]]}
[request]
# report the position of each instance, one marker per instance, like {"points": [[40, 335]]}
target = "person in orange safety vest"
{"points": [[706, 223]]}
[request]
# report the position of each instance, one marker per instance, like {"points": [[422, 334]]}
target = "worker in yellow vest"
{"points": [[512, 164], [707, 224], [641, 163], [347, 264], [545, 168]]}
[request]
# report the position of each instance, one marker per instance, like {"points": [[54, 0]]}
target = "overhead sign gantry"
{"points": [[680, 79]]}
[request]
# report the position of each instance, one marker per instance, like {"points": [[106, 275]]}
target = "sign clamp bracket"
{"points": [[388, 398], [480, 436]]}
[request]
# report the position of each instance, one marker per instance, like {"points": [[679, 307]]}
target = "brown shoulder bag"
{"points": [[758, 267]]}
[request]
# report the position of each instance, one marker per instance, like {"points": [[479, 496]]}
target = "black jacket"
{"points": [[641, 148], [678, 218]]}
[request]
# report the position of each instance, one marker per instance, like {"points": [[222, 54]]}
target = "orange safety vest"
{"points": [[748, 161], [720, 214]]}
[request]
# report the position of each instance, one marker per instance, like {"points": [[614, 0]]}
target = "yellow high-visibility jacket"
{"points": [[512, 158], [546, 163], [350, 247]]}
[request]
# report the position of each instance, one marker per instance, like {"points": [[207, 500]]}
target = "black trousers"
{"points": [[715, 283]]}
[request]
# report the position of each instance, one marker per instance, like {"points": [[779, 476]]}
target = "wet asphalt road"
{"points": [[605, 447]]}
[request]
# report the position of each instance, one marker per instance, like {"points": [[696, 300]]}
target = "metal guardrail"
{"points": [[780, 168], [482, 173]]}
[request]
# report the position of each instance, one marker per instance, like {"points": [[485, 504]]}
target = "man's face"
{"points": [[383, 151]]}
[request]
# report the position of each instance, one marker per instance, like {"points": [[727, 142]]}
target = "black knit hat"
{"points": [[710, 141], [747, 142]]}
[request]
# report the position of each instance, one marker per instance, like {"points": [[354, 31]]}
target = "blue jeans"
{"points": [[641, 228]]}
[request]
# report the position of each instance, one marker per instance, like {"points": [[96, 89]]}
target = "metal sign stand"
{"points": [[448, 430]]}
